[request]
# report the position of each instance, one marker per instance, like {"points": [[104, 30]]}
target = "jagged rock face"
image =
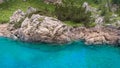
{"points": [[38, 28], [17, 16], [102, 35], [4, 31], [44, 29]]}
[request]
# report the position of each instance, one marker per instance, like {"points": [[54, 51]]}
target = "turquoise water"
{"points": [[16, 54]]}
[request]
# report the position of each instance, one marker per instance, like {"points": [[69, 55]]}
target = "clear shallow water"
{"points": [[16, 54]]}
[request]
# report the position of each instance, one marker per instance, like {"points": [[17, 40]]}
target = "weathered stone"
{"points": [[31, 10], [3, 30], [17, 16], [86, 6], [99, 20], [25, 22], [42, 28]]}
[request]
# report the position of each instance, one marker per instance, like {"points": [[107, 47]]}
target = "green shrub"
{"points": [[118, 12], [105, 13], [116, 2], [72, 12]]}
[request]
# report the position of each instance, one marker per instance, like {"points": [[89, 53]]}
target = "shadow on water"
{"points": [[46, 47]]}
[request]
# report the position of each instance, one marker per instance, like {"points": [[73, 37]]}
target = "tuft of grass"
{"points": [[7, 8]]}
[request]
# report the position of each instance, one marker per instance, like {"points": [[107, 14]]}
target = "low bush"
{"points": [[116, 2], [72, 12]]}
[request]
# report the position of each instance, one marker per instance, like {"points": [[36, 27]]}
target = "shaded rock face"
{"points": [[38, 28]]}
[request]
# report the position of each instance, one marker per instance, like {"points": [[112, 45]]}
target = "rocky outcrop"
{"points": [[102, 35], [4, 31], [97, 35], [38, 28], [44, 29], [17, 16]]}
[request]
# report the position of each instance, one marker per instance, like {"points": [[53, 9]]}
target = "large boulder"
{"points": [[44, 29]]}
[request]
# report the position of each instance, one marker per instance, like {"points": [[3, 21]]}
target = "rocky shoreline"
{"points": [[38, 28]]}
